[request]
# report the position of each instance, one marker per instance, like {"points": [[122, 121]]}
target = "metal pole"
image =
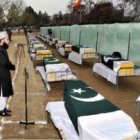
{"points": [[26, 107], [129, 39]]}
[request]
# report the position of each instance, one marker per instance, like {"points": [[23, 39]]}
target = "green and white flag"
{"points": [[82, 100]]}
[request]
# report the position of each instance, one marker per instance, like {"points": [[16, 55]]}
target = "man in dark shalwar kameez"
{"points": [[6, 88]]}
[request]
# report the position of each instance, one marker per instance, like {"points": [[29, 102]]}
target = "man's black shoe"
{"points": [[7, 110], [5, 114]]}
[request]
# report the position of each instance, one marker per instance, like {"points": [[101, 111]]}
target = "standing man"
{"points": [[6, 89], [50, 32], [9, 34]]}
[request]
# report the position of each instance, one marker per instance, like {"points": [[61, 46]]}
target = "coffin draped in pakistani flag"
{"points": [[93, 116], [82, 100]]}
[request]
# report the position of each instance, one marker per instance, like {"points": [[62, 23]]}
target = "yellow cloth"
{"points": [[124, 67], [40, 54]]}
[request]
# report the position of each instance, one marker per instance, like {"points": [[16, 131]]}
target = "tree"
{"points": [[2, 16], [13, 14], [134, 5], [20, 5], [57, 18], [28, 17], [105, 13], [5, 4], [102, 11], [131, 8], [60, 17], [45, 18], [66, 19], [42, 19], [89, 5], [12, 9]]}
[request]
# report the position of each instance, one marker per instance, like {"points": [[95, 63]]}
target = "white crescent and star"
{"points": [[98, 97], [79, 90]]}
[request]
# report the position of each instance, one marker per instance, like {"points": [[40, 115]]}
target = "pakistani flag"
{"points": [[50, 60], [81, 100]]}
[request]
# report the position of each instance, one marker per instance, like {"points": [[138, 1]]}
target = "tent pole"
{"points": [[97, 42], [80, 35], [128, 45], [97, 45], [60, 32]]}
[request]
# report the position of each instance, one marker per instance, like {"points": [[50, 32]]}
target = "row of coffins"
{"points": [[50, 68], [75, 53], [85, 113], [112, 67], [37, 50]]}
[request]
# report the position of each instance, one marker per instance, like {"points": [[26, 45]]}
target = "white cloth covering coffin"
{"points": [[115, 125]]}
